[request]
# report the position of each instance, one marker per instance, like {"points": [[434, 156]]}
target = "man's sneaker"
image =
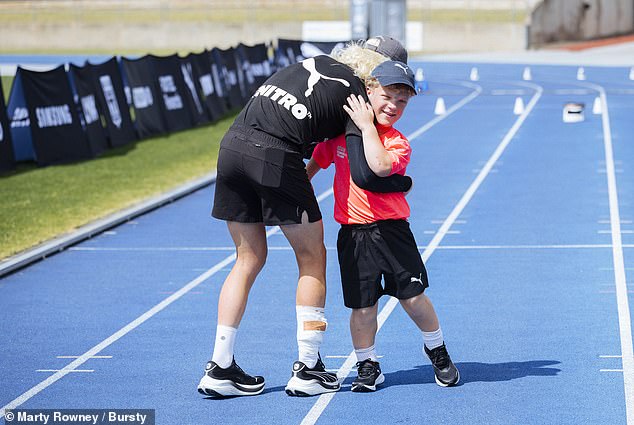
{"points": [[306, 382], [232, 381], [446, 372], [369, 376]]}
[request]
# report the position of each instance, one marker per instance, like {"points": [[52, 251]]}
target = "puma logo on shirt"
{"points": [[315, 76]]}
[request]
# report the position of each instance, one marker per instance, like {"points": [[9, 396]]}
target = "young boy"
{"points": [[375, 240]]}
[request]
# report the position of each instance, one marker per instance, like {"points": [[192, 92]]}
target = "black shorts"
{"points": [[261, 179], [368, 252]]}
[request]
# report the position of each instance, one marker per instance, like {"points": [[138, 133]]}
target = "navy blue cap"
{"points": [[394, 72]]}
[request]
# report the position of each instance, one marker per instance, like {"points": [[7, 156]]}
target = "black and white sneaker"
{"points": [[307, 382], [369, 376], [232, 381], [446, 372]]}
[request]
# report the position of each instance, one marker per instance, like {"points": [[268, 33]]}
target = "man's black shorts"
{"points": [[368, 252], [261, 179]]}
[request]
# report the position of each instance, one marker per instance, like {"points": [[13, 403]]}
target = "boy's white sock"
{"points": [[223, 348], [433, 339], [311, 325], [366, 353]]}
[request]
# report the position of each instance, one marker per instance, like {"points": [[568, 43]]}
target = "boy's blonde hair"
{"points": [[361, 60]]}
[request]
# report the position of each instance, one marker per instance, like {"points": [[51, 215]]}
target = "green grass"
{"points": [[6, 87], [41, 203]]}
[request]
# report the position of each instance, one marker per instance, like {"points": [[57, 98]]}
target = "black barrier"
{"points": [[20, 122], [85, 90], [112, 102], [149, 118], [121, 101], [196, 96], [176, 98], [56, 131], [293, 51], [228, 67], [210, 83], [7, 160], [256, 64]]}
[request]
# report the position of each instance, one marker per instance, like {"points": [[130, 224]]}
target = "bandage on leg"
{"points": [[311, 325]]}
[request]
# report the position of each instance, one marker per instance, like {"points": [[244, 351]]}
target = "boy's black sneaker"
{"points": [[369, 376], [307, 382], [232, 381], [446, 372]]}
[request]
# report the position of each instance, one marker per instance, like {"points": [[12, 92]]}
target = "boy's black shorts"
{"points": [[261, 179], [385, 249]]}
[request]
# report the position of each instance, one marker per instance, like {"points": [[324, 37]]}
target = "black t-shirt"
{"points": [[302, 104]]}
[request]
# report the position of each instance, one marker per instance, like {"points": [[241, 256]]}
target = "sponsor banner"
{"points": [[56, 130], [174, 94], [256, 65], [111, 100], [20, 123], [7, 159], [210, 84], [231, 75], [293, 51], [145, 96], [89, 112], [195, 95]]}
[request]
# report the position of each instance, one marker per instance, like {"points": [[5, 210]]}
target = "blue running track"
{"points": [[525, 225]]}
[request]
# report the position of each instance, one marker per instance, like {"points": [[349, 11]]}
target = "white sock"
{"points": [[223, 348], [366, 353], [433, 339], [311, 324]]}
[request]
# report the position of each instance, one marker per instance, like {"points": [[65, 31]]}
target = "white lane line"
{"points": [[611, 370], [72, 371], [71, 367], [332, 248], [625, 321], [324, 399], [76, 357], [168, 248], [571, 246]]}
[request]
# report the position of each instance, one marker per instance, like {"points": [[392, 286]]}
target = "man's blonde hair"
{"points": [[362, 61]]}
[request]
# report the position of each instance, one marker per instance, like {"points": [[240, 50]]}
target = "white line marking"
{"points": [[623, 232], [571, 91], [441, 221], [525, 246], [322, 402], [610, 370], [625, 321], [507, 92], [76, 357], [71, 367], [609, 356], [332, 248], [71, 371]]}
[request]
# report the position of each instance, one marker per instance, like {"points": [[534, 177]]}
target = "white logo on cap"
{"points": [[404, 68], [315, 76]]}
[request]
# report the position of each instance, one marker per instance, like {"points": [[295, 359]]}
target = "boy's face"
{"points": [[388, 103]]}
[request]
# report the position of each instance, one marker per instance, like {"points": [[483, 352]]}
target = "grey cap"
{"points": [[394, 72], [387, 46]]}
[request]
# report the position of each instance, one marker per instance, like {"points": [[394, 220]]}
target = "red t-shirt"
{"points": [[354, 205]]}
